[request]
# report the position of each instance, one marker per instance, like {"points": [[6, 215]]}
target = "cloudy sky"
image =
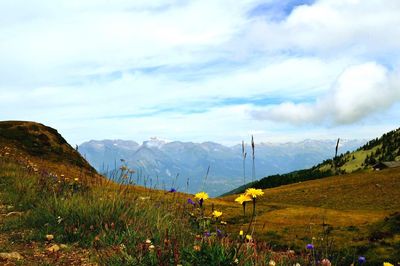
{"points": [[201, 70]]}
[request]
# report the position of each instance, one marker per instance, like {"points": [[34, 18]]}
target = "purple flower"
{"points": [[172, 190], [219, 233], [201, 202], [310, 246], [190, 201], [361, 260], [207, 234]]}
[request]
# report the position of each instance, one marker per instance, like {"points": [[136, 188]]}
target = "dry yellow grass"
{"points": [[348, 203], [290, 214]]}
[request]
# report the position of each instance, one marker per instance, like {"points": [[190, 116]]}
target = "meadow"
{"points": [[61, 212]]}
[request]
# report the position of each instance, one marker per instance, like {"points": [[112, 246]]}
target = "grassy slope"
{"points": [[350, 204], [42, 142]]}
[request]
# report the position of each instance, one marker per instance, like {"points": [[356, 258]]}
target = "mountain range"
{"points": [[184, 165]]}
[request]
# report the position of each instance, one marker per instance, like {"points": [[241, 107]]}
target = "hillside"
{"points": [[159, 161], [42, 149], [52, 213], [360, 210], [385, 148]]}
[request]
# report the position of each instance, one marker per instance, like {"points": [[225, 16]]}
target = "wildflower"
{"points": [[254, 193], [201, 196], [271, 263], [151, 247], [219, 233], [76, 179], [190, 201], [216, 214], [361, 259], [148, 241], [224, 223], [326, 262], [387, 264], [207, 234], [49, 237], [310, 246], [243, 198], [197, 248], [236, 261], [172, 190], [201, 202], [297, 264], [241, 233], [248, 237]]}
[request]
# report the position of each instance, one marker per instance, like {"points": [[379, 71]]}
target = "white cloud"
{"points": [[332, 28], [70, 63], [358, 92]]}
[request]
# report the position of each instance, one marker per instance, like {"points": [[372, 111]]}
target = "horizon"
{"points": [[198, 71], [226, 145]]}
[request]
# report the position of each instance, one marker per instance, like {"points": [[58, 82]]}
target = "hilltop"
{"points": [[40, 141], [42, 149], [385, 148]]}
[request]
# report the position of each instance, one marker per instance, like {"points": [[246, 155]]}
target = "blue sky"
{"points": [[202, 70]]}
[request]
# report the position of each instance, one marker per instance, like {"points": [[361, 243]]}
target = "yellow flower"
{"points": [[387, 264], [76, 179], [248, 237], [243, 198], [201, 195], [254, 193], [216, 214], [241, 232], [223, 222]]}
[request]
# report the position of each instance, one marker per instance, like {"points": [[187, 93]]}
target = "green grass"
{"points": [[114, 221]]}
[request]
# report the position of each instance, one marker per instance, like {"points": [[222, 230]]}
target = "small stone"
{"points": [[11, 256], [54, 248]]}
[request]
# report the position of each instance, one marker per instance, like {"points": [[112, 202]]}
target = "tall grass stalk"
{"points": [[244, 154], [253, 173]]}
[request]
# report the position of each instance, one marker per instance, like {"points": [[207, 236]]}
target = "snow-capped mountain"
{"points": [[184, 164]]}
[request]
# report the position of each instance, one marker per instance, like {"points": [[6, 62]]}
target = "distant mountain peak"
{"points": [[163, 160], [155, 142]]}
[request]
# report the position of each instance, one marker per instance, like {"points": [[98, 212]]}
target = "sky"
{"points": [[202, 70]]}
